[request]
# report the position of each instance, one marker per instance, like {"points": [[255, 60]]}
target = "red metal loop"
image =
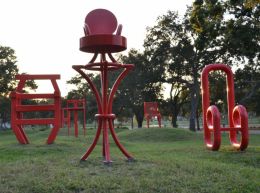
{"points": [[213, 124], [240, 120], [100, 65], [237, 117]]}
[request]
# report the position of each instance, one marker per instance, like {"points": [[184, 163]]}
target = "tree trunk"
{"points": [[132, 122], [139, 123], [193, 109], [198, 120], [174, 112], [139, 117], [174, 121], [194, 101], [174, 106]]}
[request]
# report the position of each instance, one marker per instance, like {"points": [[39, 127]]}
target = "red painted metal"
{"points": [[237, 115], [151, 110], [74, 105], [99, 26], [17, 108]]}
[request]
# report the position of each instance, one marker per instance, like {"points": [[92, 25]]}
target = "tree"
{"points": [[242, 37], [8, 70], [239, 42], [184, 45], [142, 84], [247, 84]]}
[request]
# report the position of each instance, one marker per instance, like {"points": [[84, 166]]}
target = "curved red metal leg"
{"points": [[213, 125], [92, 86], [119, 145], [127, 69], [20, 135], [105, 115], [240, 120], [94, 143], [53, 134]]}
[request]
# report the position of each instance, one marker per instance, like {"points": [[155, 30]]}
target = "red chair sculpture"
{"points": [[74, 105], [151, 110], [17, 108], [237, 115], [100, 24]]}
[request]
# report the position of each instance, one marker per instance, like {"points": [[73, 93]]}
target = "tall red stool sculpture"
{"points": [[17, 108], [74, 105], [100, 24], [151, 110], [237, 115]]}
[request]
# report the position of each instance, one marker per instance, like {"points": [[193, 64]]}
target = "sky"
{"points": [[45, 33]]}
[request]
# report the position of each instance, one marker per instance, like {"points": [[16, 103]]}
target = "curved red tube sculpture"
{"points": [[237, 115], [100, 40]]}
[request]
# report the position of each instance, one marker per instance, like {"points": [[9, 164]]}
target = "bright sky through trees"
{"points": [[45, 33]]}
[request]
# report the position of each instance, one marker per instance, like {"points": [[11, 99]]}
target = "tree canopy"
{"points": [[176, 49], [8, 70]]}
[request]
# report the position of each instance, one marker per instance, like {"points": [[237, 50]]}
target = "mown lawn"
{"points": [[168, 160]]}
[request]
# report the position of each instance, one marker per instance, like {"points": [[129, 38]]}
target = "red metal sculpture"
{"points": [[74, 105], [17, 108], [151, 110], [99, 39], [237, 115]]}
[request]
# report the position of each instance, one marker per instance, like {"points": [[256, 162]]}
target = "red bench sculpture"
{"points": [[74, 105], [237, 115], [17, 108], [151, 110], [100, 24]]}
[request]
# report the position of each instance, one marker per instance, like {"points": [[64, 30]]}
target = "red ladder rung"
{"points": [[28, 108], [230, 129], [35, 121], [34, 96], [37, 76]]}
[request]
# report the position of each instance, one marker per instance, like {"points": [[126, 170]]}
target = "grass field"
{"points": [[168, 160]]}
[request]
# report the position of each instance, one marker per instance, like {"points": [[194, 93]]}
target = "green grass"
{"points": [[168, 160]]}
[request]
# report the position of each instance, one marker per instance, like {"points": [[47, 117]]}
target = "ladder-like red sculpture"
{"points": [[17, 108], [237, 115], [100, 24], [151, 110], [74, 105]]}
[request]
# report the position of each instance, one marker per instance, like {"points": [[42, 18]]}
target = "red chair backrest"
{"points": [[151, 108], [101, 21], [76, 103]]}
